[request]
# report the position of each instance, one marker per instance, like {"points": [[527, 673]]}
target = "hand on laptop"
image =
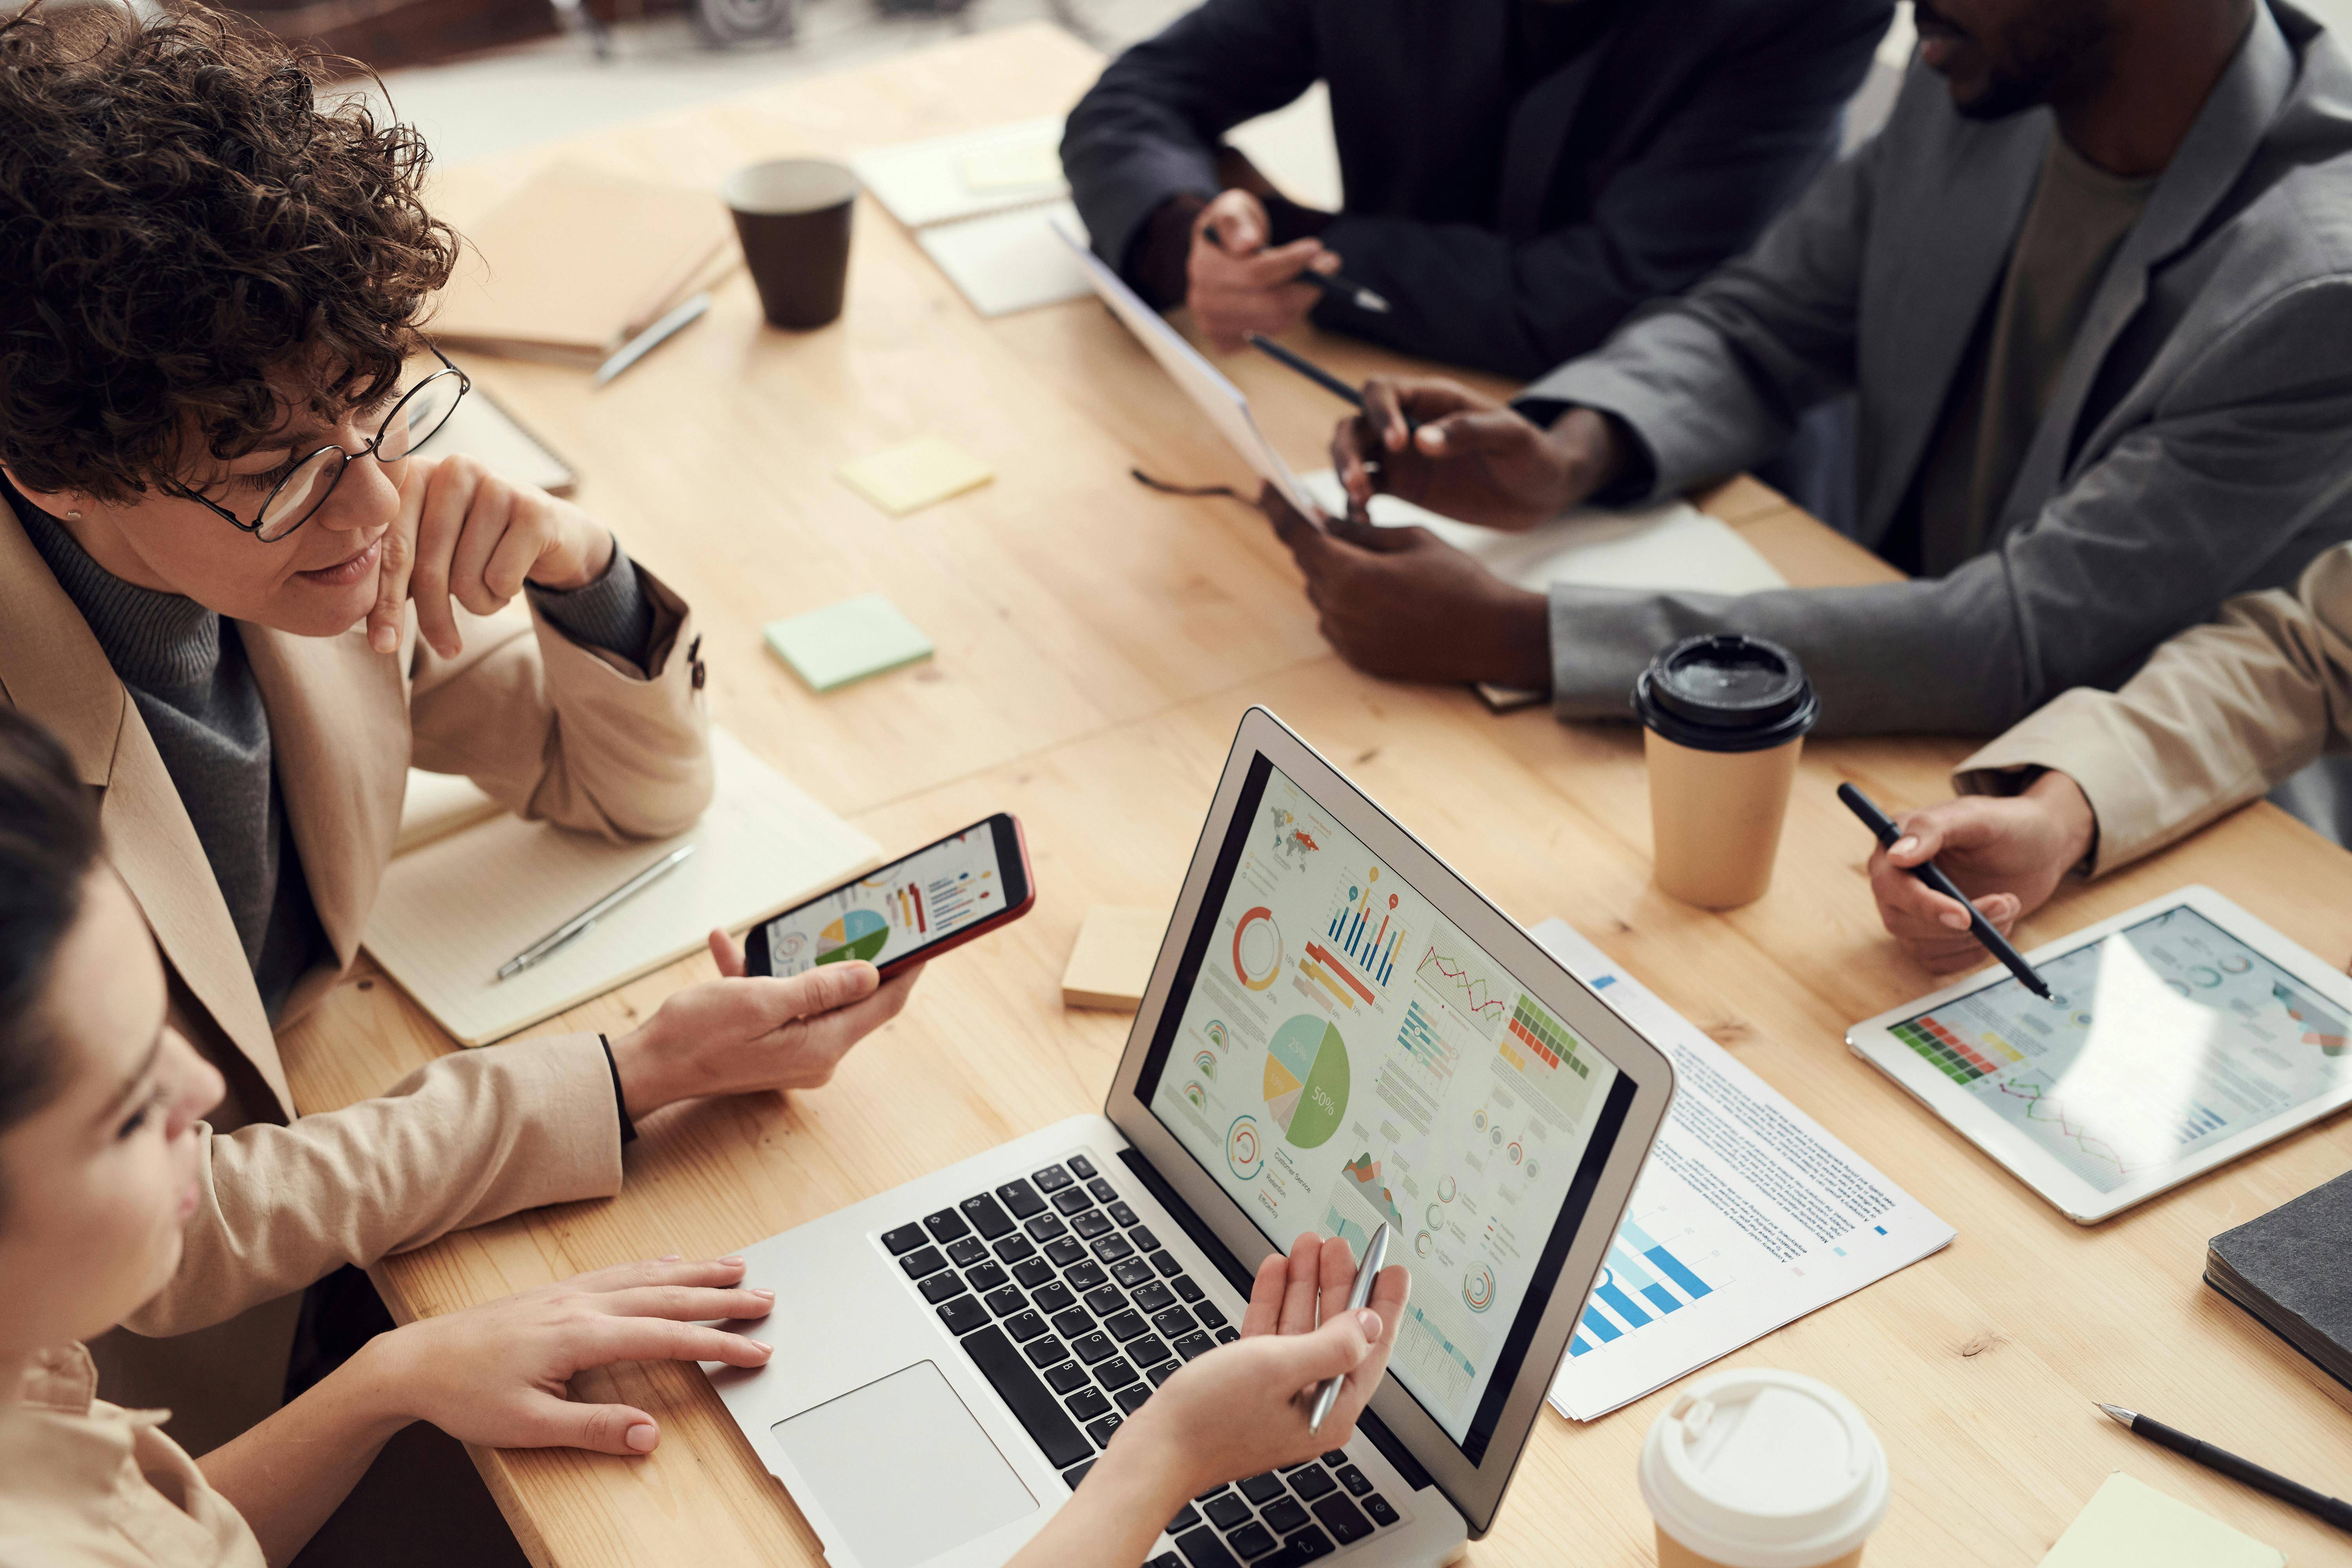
{"points": [[1238, 1411], [1439, 444], [1404, 604], [2006, 853], [742, 1035], [495, 1374]]}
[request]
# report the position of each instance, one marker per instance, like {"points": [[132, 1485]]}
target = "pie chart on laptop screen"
{"points": [[1305, 1082], [858, 933]]}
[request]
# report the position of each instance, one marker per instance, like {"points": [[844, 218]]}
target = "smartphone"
{"points": [[940, 897]]}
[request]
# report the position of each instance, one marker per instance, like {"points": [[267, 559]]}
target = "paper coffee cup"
{"points": [[1725, 718], [1758, 1469], [792, 218]]}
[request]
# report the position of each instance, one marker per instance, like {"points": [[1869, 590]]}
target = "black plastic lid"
{"points": [[1727, 693]]}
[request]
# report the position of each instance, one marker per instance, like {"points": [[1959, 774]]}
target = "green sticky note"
{"points": [[847, 641], [2130, 1524]]}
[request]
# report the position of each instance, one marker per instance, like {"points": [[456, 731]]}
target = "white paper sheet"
{"points": [[1748, 1215], [949, 177], [1010, 261]]}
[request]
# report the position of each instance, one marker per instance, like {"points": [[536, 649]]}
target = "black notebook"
{"points": [[2291, 1268]]}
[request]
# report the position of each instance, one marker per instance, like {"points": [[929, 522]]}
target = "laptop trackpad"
{"points": [[873, 1451]]}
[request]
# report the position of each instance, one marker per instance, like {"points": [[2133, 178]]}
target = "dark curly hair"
{"points": [[191, 247]]}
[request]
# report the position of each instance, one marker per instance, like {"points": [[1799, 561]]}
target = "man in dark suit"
{"points": [[1520, 174]]}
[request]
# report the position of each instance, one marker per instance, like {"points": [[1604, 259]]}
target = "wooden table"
{"points": [[1097, 645]]}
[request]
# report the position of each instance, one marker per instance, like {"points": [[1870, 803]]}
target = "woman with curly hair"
{"points": [[247, 608]]}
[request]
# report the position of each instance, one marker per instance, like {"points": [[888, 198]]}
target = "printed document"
{"points": [[1748, 1215]]}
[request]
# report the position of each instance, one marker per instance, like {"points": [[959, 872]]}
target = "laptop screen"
{"points": [[1336, 1054]]}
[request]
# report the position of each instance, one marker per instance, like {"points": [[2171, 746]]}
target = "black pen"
{"points": [[1337, 285], [2335, 1510], [1305, 367], [1879, 823]]}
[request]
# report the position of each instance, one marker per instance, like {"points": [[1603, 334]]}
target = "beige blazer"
{"points": [[549, 728], [2218, 717], [464, 1141]]}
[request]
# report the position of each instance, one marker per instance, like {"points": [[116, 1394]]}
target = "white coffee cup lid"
{"points": [[1758, 1469]]}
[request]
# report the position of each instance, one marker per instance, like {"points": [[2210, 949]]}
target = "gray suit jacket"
{"points": [[2196, 446]]}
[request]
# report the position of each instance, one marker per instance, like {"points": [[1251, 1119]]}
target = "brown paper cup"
{"points": [[792, 216], [1714, 818]]}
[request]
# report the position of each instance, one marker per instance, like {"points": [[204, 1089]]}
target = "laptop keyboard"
{"points": [[1075, 1312]]}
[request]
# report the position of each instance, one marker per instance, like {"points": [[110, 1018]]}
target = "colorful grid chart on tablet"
{"points": [[1961, 1061]]}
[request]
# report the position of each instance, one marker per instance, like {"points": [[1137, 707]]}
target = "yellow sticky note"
{"points": [[906, 479], [2130, 1524], [1003, 168]]}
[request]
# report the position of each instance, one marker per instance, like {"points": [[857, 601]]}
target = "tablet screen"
{"points": [[2163, 1038], [1346, 1056]]}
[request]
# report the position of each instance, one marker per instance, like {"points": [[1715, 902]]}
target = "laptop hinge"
{"points": [[1241, 1278]]}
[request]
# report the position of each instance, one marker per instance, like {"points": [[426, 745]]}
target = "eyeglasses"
{"points": [[413, 420]]}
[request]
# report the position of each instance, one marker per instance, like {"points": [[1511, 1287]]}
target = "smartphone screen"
{"points": [[901, 909]]}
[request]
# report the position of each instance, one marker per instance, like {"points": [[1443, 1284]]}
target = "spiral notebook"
{"points": [[475, 886]]}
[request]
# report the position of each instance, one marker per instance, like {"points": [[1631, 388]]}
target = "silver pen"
{"points": [[578, 924], [1376, 1253], [652, 337]]}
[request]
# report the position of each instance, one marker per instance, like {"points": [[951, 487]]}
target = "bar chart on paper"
{"points": [[1643, 1281]]}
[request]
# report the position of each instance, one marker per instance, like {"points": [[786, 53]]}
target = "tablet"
{"points": [[2181, 1035]]}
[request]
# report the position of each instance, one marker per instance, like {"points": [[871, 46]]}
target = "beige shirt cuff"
{"points": [[2092, 738]]}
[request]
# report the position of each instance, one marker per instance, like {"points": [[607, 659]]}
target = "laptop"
{"points": [[1339, 1031]]}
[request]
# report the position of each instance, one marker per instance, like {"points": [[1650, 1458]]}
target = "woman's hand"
{"points": [[741, 1034], [2006, 854], [1238, 1411], [1439, 444], [495, 1374], [464, 533]]}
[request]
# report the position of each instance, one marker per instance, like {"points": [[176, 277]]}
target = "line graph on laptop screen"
{"points": [[1369, 1063]]}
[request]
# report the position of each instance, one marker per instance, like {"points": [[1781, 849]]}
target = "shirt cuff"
{"points": [[620, 1104], [613, 614]]}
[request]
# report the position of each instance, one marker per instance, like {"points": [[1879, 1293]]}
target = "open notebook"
{"points": [[470, 887]]}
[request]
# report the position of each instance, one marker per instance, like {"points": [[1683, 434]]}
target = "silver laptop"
{"points": [[1339, 1031]]}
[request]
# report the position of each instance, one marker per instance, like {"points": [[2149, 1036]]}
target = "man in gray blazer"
{"points": [[2095, 292]]}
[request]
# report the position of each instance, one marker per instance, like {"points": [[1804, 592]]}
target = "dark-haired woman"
{"points": [[246, 609], [108, 1180]]}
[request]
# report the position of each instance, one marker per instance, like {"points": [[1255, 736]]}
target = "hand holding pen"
{"points": [[1236, 283], [2008, 852], [1980, 929]]}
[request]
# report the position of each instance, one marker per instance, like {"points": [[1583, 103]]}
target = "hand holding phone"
{"points": [[747, 1035], [906, 912]]}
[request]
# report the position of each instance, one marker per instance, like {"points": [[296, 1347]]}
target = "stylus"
{"points": [[1879, 823], [577, 926], [1376, 1253], [1337, 285], [2335, 1510]]}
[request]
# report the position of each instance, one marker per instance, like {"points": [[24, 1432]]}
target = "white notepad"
{"points": [[949, 178], [1009, 261], [480, 428], [454, 909]]}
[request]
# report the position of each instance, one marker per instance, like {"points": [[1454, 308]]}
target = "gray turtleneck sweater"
{"points": [[186, 669]]}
